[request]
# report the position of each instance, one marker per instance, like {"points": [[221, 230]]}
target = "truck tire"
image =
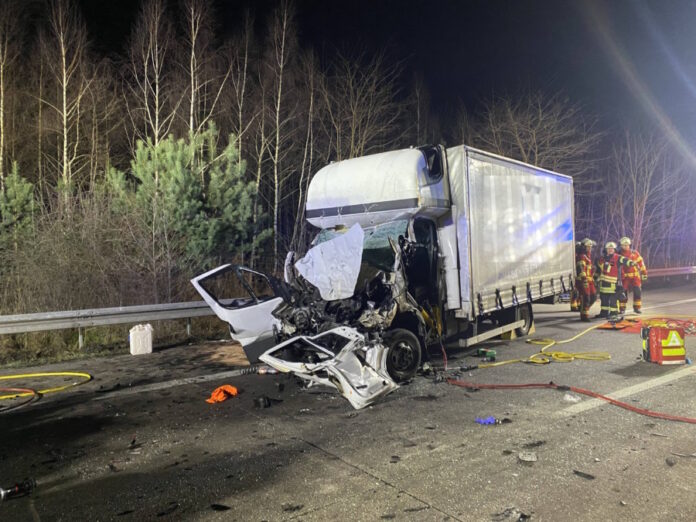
{"points": [[528, 317], [404, 354]]}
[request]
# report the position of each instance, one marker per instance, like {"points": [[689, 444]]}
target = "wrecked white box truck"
{"points": [[415, 248]]}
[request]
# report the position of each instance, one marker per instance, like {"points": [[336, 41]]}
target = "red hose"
{"points": [[34, 396], [589, 393]]}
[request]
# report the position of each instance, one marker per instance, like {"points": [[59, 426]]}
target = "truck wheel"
{"points": [[526, 315], [404, 354]]}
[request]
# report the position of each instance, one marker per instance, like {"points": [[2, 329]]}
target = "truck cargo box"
{"points": [[514, 227]]}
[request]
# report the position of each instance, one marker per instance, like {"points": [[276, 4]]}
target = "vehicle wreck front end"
{"points": [[331, 321], [356, 311], [341, 357]]}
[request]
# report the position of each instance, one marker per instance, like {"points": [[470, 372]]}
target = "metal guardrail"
{"points": [[27, 323], [666, 272]]}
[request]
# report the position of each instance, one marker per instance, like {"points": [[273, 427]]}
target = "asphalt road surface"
{"points": [[139, 442]]}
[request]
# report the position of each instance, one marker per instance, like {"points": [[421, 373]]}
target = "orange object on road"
{"points": [[222, 393]]}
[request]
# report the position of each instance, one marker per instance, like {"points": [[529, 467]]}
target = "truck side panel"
{"points": [[520, 232]]}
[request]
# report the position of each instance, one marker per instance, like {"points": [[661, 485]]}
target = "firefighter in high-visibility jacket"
{"points": [[575, 294], [584, 281], [633, 277], [609, 268]]}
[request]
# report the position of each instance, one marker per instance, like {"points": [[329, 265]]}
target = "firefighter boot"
{"points": [[637, 302]]}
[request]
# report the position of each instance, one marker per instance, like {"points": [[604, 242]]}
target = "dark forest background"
{"points": [[124, 174]]}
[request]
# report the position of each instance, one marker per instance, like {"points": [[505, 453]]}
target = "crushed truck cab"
{"points": [[414, 248]]}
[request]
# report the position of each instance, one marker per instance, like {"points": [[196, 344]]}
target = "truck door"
{"points": [[422, 269], [249, 317]]}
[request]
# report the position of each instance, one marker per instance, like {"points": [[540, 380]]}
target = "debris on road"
{"points": [[220, 507], [527, 456], [222, 393], [171, 507], [492, 420], [584, 475], [692, 455], [262, 402], [292, 508], [570, 397], [21, 489], [511, 514], [670, 461], [535, 444]]}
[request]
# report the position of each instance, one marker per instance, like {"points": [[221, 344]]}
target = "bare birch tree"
{"points": [[240, 82], [643, 188], [206, 70], [152, 103], [362, 111], [64, 48], [282, 48], [311, 74], [549, 131], [10, 30]]}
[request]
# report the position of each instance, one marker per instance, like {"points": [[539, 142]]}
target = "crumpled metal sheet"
{"points": [[333, 266], [358, 371]]}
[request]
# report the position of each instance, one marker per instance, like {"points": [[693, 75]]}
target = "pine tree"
{"points": [[188, 206], [16, 211]]}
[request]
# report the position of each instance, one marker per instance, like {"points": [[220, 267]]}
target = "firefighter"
{"points": [[584, 282], [609, 268], [632, 277], [575, 295]]}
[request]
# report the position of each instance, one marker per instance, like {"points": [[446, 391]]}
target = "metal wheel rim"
{"points": [[402, 356]]}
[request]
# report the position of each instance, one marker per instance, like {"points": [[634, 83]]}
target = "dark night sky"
{"points": [[625, 60]]}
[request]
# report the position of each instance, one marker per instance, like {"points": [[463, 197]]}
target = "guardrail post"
{"points": [[188, 327], [80, 338]]}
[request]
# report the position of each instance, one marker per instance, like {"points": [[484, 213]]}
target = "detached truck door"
{"points": [[249, 318]]}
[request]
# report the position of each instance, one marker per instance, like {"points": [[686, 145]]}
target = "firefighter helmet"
{"points": [[625, 241], [610, 244], [587, 242]]}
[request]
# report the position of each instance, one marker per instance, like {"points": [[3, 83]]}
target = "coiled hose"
{"points": [[24, 392]]}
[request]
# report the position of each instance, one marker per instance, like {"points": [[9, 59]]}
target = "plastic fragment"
{"points": [[492, 420], [569, 397], [527, 456], [584, 475]]}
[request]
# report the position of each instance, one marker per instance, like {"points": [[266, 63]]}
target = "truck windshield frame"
{"points": [[377, 250]]}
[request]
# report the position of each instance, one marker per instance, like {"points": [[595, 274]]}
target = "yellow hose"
{"points": [[86, 376], [544, 356]]}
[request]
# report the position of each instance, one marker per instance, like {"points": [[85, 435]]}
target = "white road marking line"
{"points": [[630, 390], [670, 304], [542, 323], [170, 384]]}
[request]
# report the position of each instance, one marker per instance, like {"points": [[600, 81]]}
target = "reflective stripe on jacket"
{"points": [[635, 272], [608, 267]]}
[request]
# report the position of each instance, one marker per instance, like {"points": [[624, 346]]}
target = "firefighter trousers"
{"points": [[608, 299], [637, 294], [587, 300]]}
